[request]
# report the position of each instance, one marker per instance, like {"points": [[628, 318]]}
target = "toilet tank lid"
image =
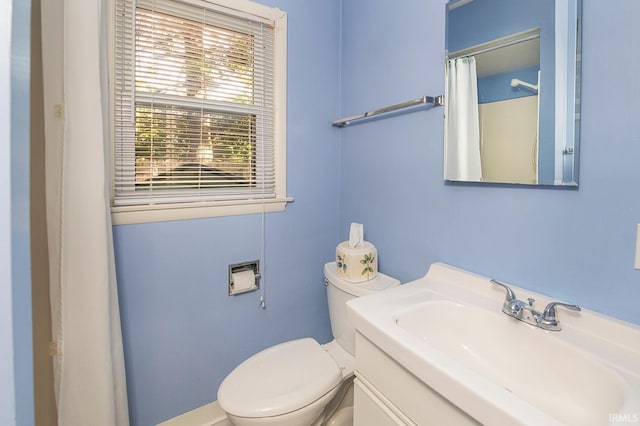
{"points": [[279, 380], [379, 283]]}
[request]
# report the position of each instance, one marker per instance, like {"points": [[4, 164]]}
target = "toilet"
{"points": [[300, 382]]}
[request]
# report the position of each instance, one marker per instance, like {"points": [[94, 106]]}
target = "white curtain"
{"points": [[89, 365], [462, 133]]}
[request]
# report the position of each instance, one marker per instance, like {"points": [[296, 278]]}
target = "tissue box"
{"points": [[357, 264]]}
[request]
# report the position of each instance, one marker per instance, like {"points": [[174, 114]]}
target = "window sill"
{"points": [[126, 215]]}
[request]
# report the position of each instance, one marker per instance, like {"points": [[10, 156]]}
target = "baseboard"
{"points": [[208, 415]]}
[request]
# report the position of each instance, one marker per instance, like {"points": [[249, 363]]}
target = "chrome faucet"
{"points": [[525, 312]]}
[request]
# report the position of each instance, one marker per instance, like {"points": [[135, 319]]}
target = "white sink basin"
{"points": [[448, 330], [554, 376]]}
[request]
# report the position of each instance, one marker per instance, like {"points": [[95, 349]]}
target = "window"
{"points": [[199, 109]]}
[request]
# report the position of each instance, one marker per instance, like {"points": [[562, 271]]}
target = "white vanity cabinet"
{"points": [[371, 408], [440, 351], [387, 394]]}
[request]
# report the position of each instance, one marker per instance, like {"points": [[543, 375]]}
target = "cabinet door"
{"points": [[369, 410], [405, 393]]}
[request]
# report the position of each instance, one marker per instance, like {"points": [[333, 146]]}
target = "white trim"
{"points": [[154, 213], [210, 414], [247, 6], [124, 215], [456, 4], [280, 104], [526, 35]]}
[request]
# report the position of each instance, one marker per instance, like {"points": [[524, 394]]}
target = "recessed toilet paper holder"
{"points": [[237, 269]]}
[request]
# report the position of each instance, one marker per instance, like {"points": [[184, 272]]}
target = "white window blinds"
{"points": [[194, 103]]}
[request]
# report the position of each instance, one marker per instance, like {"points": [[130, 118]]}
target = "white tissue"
{"points": [[356, 234], [243, 281]]}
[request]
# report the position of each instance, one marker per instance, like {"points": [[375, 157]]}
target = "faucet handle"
{"points": [[510, 294], [550, 311], [548, 319]]}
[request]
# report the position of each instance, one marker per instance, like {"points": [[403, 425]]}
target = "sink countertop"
{"points": [[610, 342]]}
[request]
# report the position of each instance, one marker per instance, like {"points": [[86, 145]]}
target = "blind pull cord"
{"points": [[263, 303]]}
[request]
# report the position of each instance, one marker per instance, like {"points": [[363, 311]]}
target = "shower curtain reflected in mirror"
{"points": [[462, 133]]}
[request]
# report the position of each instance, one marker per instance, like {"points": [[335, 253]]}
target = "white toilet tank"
{"points": [[339, 292]]}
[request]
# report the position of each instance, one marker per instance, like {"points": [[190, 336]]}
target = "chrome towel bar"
{"points": [[433, 100]]}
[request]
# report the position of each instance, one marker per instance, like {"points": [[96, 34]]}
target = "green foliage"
{"points": [[367, 260], [197, 62]]}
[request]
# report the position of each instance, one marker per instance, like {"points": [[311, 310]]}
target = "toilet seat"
{"points": [[279, 380]]}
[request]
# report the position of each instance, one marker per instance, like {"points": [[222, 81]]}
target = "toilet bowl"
{"points": [[300, 382]]}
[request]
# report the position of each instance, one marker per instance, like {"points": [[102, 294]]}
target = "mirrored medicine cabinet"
{"points": [[512, 97]]}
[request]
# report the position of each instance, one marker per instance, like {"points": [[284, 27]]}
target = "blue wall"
{"points": [[575, 245], [182, 332], [7, 370], [482, 21], [20, 237], [16, 371], [497, 87]]}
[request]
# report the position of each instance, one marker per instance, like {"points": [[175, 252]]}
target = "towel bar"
{"points": [[434, 100]]}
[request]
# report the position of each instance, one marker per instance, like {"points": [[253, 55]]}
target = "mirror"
{"points": [[512, 97]]}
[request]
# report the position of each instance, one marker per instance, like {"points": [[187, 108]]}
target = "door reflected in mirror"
{"points": [[512, 104]]}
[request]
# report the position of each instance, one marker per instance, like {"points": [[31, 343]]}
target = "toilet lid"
{"points": [[279, 380]]}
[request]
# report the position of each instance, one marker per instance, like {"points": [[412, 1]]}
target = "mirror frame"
{"points": [[567, 96]]}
